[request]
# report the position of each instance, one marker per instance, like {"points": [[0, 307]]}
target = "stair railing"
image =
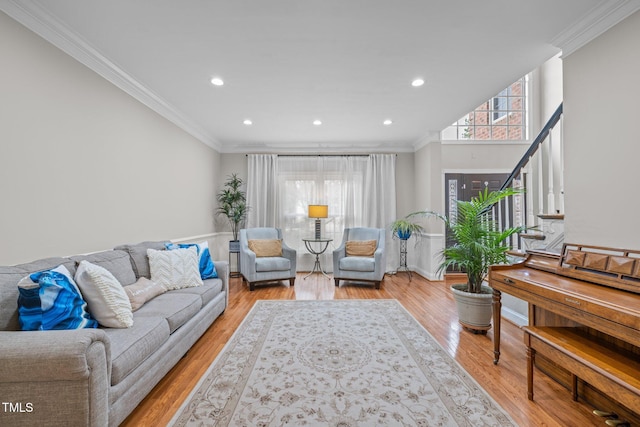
{"points": [[533, 173]]}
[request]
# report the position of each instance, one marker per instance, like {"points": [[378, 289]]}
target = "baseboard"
{"points": [[426, 274], [514, 316]]}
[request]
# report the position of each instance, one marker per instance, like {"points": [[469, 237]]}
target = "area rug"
{"points": [[336, 363]]}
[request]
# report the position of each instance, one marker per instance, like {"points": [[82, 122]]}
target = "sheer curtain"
{"points": [[262, 190], [380, 202], [359, 190]]}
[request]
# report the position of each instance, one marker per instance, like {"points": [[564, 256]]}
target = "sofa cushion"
{"points": [[358, 263], [106, 299], [210, 289], [9, 278], [130, 347], [176, 308], [138, 256], [272, 264], [116, 262], [51, 300], [142, 291], [175, 269]]}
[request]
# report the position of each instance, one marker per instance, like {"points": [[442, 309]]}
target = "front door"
{"points": [[460, 186]]}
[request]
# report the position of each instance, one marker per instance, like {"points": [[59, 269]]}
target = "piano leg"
{"points": [[531, 359], [497, 310]]}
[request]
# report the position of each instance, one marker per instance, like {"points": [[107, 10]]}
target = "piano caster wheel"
{"points": [[617, 423]]}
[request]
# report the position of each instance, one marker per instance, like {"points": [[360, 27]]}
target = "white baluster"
{"points": [[551, 199], [540, 189], [561, 180]]}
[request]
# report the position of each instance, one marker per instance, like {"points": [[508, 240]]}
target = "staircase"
{"points": [[541, 207]]}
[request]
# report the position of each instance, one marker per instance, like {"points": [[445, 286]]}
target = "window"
{"points": [[503, 117], [360, 191], [335, 181]]}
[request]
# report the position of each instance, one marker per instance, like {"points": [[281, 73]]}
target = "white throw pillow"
{"points": [[175, 269], [106, 299]]}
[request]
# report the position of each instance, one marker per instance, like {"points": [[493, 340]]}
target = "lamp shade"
{"points": [[318, 211]]}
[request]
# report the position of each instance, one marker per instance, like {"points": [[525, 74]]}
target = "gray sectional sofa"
{"points": [[97, 377]]}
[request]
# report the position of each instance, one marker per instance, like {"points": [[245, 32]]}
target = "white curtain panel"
{"points": [[262, 190], [359, 190], [380, 201]]}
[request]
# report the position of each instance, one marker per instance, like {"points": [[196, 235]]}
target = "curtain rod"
{"points": [[322, 155]]}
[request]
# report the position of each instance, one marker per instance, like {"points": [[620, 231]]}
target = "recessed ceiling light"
{"points": [[217, 81], [387, 122], [417, 82], [247, 122], [317, 122]]}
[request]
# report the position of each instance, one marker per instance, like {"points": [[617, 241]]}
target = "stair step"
{"points": [[551, 216], [533, 236]]}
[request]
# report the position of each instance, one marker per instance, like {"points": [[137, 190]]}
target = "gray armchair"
{"points": [[360, 268], [260, 269]]}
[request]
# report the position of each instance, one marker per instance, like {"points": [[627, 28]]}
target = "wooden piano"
{"points": [[584, 321]]}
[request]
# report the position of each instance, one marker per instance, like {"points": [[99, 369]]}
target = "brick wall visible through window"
{"points": [[502, 117]]}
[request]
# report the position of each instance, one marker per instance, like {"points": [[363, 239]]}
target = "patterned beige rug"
{"points": [[336, 363]]}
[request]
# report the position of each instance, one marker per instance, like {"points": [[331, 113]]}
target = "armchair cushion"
{"points": [[272, 264], [361, 248], [358, 263], [266, 247]]}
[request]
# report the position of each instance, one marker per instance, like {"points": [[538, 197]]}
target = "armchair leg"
{"points": [[292, 281], [378, 285], [252, 286], [337, 282]]}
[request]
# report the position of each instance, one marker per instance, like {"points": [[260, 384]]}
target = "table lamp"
{"points": [[317, 212]]}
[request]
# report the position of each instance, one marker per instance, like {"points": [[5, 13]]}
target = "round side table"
{"points": [[317, 247]]}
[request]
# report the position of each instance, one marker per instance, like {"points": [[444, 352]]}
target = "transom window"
{"points": [[503, 117]]}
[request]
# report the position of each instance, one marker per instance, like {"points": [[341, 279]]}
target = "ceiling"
{"points": [[286, 63]]}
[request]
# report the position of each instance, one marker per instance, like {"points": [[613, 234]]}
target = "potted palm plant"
{"points": [[233, 205], [479, 243]]}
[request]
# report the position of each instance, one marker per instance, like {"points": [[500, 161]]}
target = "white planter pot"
{"points": [[474, 310]]}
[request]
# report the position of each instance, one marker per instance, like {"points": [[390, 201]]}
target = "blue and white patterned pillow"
{"points": [[205, 264], [50, 300]]}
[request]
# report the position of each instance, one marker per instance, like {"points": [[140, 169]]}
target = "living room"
{"points": [[86, 166]]}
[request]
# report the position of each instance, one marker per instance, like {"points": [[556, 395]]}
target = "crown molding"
{"points": [[428, 138], [315, 148], [601, 18], [38, 20]]}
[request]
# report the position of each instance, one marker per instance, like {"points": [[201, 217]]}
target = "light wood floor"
{"points": [[431, 304]]}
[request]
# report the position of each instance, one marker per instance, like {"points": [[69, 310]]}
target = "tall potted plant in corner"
{"points": [[232, 202], [479, 243]]}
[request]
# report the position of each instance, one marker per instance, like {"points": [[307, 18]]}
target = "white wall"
{"points": [[83, 166], [481, 157], [602, 139], [405, 184]]}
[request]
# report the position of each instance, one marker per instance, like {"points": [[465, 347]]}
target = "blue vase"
{"points": [[403, 235]]}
